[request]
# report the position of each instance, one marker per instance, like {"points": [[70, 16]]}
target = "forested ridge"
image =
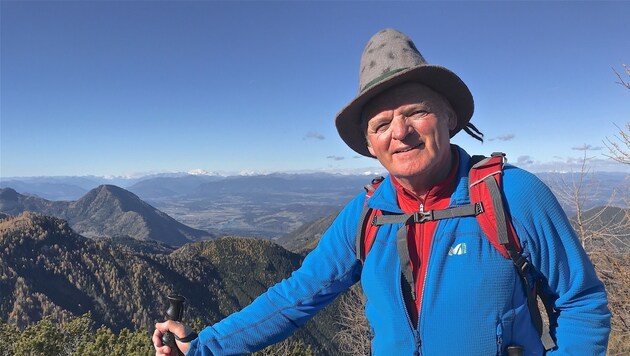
{"points": [[49, 274]]}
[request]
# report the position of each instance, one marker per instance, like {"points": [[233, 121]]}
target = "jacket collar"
{"points": [[384, 198]]}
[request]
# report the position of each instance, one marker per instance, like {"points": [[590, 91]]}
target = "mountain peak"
{"points": [[114, 191], [109, 210], [110, 196], [9, 194]]}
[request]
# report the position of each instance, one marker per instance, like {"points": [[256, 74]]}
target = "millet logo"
{"points": [[458, 249]]}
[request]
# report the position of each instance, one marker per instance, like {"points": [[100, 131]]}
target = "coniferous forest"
{"points": [[64, 294]]}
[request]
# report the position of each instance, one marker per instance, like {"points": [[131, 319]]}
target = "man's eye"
{"points": [[382, 127], [378, 126], [418, 113]]}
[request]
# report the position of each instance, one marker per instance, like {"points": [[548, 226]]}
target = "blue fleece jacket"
{"points": [[473, 302]]}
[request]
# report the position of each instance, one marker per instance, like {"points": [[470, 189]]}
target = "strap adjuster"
{"points": [[479, 208], [521, 263], [422, 216]]}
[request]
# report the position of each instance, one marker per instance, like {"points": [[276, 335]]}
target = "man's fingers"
{"points": [[168, 325], [157, 335], [160, 348], [177, 329], [163, 351]]}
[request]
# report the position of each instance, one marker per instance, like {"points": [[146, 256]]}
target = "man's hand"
{"points": [[178, 329]]}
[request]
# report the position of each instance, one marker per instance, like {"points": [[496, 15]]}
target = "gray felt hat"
{"points": [[391, 58]]}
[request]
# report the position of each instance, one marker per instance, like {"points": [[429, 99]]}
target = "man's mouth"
{"points": [[409, 148]]}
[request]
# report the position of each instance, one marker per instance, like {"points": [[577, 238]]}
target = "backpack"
{"points": [[486, 205]]}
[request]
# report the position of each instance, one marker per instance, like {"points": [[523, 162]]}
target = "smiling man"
{"points": [[435, 281], [408, 130]]}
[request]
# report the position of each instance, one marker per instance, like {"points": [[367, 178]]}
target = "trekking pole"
{"points": [[174, 312]]}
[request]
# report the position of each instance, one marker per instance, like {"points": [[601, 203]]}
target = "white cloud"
{"points": [[574, 164], [506, 137], [587, 147], [314, 135]]}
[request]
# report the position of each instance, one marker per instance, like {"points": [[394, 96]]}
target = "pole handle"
{"points": [[174, 312]]}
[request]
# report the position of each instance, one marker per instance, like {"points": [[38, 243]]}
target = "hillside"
{"points": [[46, 269], [13, 203], [306, 237], [107, 211]]}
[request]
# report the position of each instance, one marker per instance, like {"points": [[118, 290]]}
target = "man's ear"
{"points": [[369, 147], [452, 119]]}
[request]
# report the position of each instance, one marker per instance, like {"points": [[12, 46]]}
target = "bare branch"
{"points": [[621, 81], [620, 147], [355, 336]]}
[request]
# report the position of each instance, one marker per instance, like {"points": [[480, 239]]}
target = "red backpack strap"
{"points": [[366, 231], [485, 187]]}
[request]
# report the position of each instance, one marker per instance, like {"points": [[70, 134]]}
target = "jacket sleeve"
{"points": [[326, 272], [550, 242]]}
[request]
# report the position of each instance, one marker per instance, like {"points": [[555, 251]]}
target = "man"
{"points": [[470, 303]]}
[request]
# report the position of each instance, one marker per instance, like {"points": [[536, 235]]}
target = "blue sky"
{"points": [[123, 88]]}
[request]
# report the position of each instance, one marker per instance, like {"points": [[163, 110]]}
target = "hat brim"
{"points": [[438, 78]]}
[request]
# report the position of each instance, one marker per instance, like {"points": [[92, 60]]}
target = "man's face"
{"points": [[408, 132]]}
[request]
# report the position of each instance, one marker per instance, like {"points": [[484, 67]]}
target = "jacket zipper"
{"points": [[426, 270], [424, 282], [414, 331]]}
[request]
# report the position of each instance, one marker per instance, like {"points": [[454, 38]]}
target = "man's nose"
{"points": [[400, 127]]}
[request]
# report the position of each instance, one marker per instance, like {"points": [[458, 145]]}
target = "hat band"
{"points": [[381, 78]]}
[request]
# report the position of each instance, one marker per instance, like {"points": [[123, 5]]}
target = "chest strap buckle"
{"points": [[422, 216]]}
